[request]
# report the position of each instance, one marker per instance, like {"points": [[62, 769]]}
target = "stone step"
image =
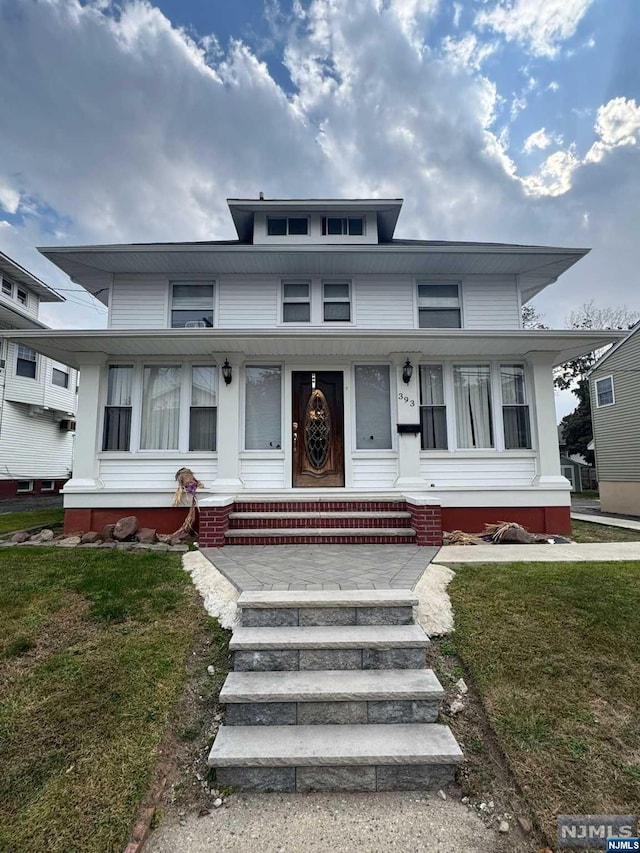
{"points": [[326, 607], [319, 514], [331, 696], [329, 647], [321, 536], [334, 757]]}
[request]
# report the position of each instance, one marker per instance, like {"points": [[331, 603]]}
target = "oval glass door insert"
{"points": [[317, 429]]}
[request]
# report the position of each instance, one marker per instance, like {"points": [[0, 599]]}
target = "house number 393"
{"points": [[406, 399]]}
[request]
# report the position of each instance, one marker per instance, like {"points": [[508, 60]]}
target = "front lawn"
{"points": [[553, 649], [93, 647], [586, 531], [49, 516]]}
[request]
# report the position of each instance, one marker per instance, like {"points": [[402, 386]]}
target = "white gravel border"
{"points": [[219, 595], [435, 614]]}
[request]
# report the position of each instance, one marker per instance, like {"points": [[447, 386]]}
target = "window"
{"points": [[340, 226], [192, 305], [515, 411], [292, 225], [263, 408], [22, 296], [296, 302], [204, 407], [439, 305], [160, 407], [24, 486], [7, 287], [59, 378], [26, 362], [336, 301], [117, 412], [472, 393], [47, 485], [373, 407], [604, 392], [433, 412]]}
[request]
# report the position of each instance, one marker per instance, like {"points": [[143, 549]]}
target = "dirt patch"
{"points": [[487, 783]]}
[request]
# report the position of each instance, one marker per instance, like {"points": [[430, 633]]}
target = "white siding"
{"points": [[374, 473], [262, 473], [140, 473], [63, 399], [138, 303], [33, 448], [247, 304], [384, 304], [490, 305], [498, 471]]}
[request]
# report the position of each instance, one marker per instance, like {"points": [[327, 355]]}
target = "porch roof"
{"points": [[83, 347]]}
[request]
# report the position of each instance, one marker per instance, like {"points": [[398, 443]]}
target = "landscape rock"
{"points": [[158, 546], [217, 803], [525, 825], [503, 826], [461, 686], [70, 542], [442, 794], [107, 532], [456, 707], [45, 535], [147, 535], [125, 528], [20, 536], [90, 537]]}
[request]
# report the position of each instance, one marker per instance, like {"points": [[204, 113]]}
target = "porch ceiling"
{"points": [[77, 348]]}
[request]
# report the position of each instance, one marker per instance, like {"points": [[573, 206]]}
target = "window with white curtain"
{"points": [[472, 394], [515, 409], [203, 413], [117, 412], [373, 407], [263, 408], [192, 304], [433, 412], [160, 407]]}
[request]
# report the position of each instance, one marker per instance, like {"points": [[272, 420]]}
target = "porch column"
{"points": [[229, 440], [86, 469], [407, 411], [549, 473]]}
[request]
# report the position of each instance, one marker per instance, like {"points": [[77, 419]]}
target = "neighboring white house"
{"points": [[319, 362], [37, 394]]}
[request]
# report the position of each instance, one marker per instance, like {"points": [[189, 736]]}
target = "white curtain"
{"points": [[373, 407], [119, 385], [263, 408], [160, 407], [472, 388], [204, 401], [433, 413]]}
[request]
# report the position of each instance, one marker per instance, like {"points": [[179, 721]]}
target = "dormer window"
{"points": [[342, 226], [287, 226]]}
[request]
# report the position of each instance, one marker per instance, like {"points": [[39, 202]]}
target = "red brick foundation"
{"points": [[537, 519], [162, 519], [426, 520], [214, 523]]}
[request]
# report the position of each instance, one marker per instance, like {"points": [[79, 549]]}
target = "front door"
{"points": [[318, 444]]}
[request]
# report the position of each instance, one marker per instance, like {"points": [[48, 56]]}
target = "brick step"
{"points": [[294, 608], [329, 647], [335, 757], [304, 504], [272, 520], [321, 536], [331, 696]]}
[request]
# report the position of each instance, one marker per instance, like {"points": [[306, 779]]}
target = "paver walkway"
{"points": [[610, 520], [321, 566], [575, 553]]}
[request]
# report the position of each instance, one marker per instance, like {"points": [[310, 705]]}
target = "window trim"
{"points": [[417, 281], [26, 491], [600, 405], [344, 299], [380, 452], [198, 280], [189, 369], [345, 232], [446, 405], [253, 451], [20, 293], [8, 284], [297, 300], [526, 405], [35, 361], [65, 373], [50, 488], [287, 219]]}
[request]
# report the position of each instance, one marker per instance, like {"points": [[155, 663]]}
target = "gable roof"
{"points": [[20, 275], [614, 349]]}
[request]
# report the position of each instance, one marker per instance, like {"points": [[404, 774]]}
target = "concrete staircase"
{"points": [[330, 693]]}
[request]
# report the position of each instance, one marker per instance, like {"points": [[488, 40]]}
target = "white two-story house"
{"points": [[37, 394], [325, 380]]}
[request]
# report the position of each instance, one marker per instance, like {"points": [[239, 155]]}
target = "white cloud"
{"points": [[539, 25], [554, 176], [467, 51], [541, 140], [553, 86], [617, 123], [9, 198]]}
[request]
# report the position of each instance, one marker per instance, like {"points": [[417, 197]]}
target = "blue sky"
{"points": [[497, 120]]}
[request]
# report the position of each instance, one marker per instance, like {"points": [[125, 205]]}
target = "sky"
{"points": [[498, 120]]}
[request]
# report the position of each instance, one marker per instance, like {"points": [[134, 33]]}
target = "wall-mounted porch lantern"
{"points": [[226, 372], [407, 372]]}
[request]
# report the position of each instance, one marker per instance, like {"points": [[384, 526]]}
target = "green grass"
{"points": [[589, 494], [553, 649], [11, 521], [92, 662], [586, 531]]}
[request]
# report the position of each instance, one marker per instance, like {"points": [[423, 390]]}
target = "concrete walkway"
{"points": [[609, 520], [595, 551], [267, 567]]}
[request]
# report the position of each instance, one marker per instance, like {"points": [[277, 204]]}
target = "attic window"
{"points": [[342, 226], [283, 226]]}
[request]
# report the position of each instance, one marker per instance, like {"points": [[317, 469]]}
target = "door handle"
{"points": [[295, 436]]}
